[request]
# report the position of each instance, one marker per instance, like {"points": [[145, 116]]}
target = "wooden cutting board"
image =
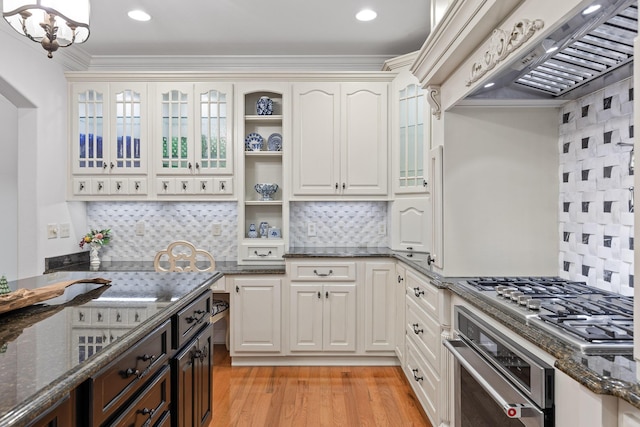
{"points": [[25, 297]]}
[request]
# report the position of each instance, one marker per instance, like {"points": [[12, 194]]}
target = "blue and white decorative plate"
{"points": [[253, 142], [274, 143]]}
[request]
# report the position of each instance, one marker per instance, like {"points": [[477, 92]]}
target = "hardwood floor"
{"points": [[311, 396]]}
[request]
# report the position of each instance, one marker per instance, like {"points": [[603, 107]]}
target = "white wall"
{"points": [[501, 191], [8, 188], [37, 86]]}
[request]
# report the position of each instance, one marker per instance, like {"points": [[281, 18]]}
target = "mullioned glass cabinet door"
{"points": [[128, 136], [89, 107], [411, 132], [214, 107], [176, 124]]}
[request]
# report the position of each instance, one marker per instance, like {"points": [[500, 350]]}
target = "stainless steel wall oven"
{"points": [[496, 381]]}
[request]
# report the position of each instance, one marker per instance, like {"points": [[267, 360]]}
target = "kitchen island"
{"points": [[50, 350]]}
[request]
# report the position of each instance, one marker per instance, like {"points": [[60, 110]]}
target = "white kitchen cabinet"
{"points": [[322, 317], [399, 311], [380, 307], [410, 135], [411, 224], [427, 314], [255, 315], [341, 139], [108, 140], [264, 165], [193, 128]]}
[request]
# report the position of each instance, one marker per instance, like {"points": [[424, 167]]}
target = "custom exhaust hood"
{"points": [[582, 55]]}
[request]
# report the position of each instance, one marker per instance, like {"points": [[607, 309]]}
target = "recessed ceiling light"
{"points": [[591, 9], [489, 85], [366, 15], [139, 15]]}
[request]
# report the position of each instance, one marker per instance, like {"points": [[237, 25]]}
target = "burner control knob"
{"points": [[507, 292], [533, 304], [515, 295], [500, 289], [523, 299]]}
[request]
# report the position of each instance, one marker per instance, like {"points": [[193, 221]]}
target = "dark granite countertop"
{"points": [[42, 353], [80, 262]]}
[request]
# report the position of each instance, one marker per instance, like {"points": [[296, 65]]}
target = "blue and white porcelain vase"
{"points": [[253, 233], [264, 106], [264, 229]]}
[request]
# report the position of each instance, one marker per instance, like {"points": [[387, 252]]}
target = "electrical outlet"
{"points": [[311, 229], [140, 228], [65, 230], [382, 229], [216, 229], [52, 231]]}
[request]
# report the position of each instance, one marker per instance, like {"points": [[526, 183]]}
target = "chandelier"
{"points": [[52, 23]]}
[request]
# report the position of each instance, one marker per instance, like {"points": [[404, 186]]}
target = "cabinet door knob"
{"points": [[319, 295], [336, 185], [190, 166], [344, 186], [237, 289], [326, 294], [424, 183], [431, 259], [400, 278], [197, 166], [112, 166], [104, 166], [204, 185]]}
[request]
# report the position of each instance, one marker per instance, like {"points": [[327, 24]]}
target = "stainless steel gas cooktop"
{"points": [[592, 320]]}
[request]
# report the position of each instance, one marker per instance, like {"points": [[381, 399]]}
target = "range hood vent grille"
{"points": [[581, 59]]}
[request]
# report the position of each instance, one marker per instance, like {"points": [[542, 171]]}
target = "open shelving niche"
{"points": [[262, 166]]}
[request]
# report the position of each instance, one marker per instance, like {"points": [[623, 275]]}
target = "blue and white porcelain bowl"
{"points": [[264, 106], [266, 190]]}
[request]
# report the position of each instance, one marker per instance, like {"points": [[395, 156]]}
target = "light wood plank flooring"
{"points": [[311, 396]]}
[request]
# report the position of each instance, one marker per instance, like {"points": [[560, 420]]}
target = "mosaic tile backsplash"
{"points": [[338, 224], [164, 223], [596, 189]]}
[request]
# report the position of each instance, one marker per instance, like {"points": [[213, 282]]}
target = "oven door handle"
{"points": [[512, 401]]}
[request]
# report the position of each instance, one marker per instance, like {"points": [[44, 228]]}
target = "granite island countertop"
{"points": [[46, 351]]}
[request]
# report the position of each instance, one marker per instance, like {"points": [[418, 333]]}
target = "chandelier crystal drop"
{"points": [[52, 23]]}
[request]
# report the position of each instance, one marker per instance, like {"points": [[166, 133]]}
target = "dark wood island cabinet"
{"points": [[156, 372]]}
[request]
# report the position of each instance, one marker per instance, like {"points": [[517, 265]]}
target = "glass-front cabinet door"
{"points": [[89, 106], [109, 128], [214, 107], [193, 130], [410, 134], [175, 129], [128, 138]]}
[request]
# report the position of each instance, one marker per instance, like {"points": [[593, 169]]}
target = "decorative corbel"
{"points": [[503, 43], [433, 98]]}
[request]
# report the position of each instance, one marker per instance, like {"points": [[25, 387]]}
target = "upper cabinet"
{"points": [[109, 144], [340, 130], [193, 138], [410, 131]]}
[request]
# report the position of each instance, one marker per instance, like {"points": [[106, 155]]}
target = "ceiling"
{"points": [[253, 27]]}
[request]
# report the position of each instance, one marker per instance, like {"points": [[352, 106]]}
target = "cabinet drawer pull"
{"points": [[418, 292], [146, 411], [262, 255], [323, 274], [147, 357], [415, 375], [416, 330], [197, 316], [131, 371]]}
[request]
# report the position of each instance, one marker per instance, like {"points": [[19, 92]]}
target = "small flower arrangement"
{"points": [[101, 237]]}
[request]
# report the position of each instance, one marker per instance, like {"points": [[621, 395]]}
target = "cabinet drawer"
{"points": [[426, 295], [262, 250], [151, 407], [425, 331], [323, 271], [423, 380], [190, 319], [124, 376]]}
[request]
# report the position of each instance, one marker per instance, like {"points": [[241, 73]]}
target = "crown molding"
{"points": [[237, 63], [399, 62]]}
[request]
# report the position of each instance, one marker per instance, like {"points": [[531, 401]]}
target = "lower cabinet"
{"points": [[322, 317], [399, 311], [193, 376], [61, 414], [379, 306], [255, 315]]}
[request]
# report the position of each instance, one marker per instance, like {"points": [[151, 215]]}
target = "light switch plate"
{"points": [[65, 230], [52, 231], [216, 229], [140, 228], [311, 229]]}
